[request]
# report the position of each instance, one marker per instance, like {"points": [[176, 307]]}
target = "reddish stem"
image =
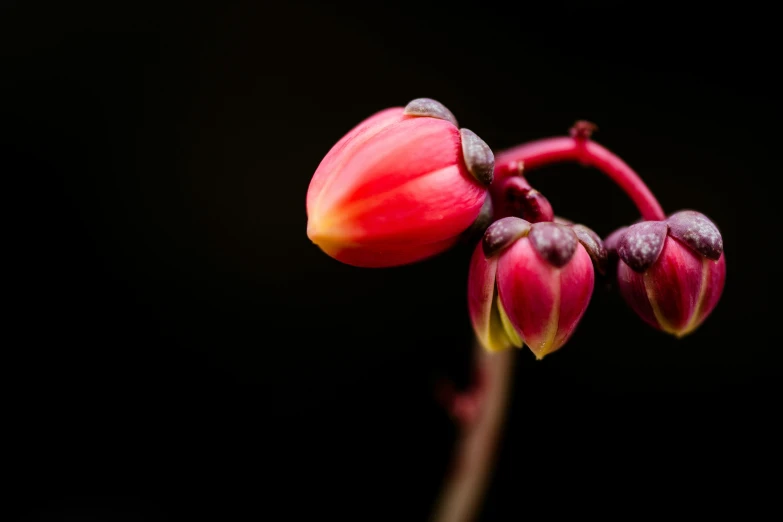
{"points": [[576, 148], [480, 413]]}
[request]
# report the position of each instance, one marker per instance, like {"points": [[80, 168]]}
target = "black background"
{"points": [[175, 347]]}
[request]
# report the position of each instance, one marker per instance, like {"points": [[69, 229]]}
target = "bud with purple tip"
{"points": [[531, 283], [671, 272]]}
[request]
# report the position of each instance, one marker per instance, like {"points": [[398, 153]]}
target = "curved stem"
{"points": [[476, 447], [582, 150]]}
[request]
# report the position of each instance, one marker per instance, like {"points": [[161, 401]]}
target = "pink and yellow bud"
{"points": [[531, 283], [672, 272], [402, 186]]}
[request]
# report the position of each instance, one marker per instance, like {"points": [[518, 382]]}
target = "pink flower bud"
{"points": [[531, 283], [517, 198], [672, 272], [400, 187]]}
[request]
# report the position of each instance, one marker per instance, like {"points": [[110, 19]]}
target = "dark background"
{"points": [[175, 348]]}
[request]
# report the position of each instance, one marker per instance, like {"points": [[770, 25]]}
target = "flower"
{"points": [[402, 186], [531, 283], [671, 272]]}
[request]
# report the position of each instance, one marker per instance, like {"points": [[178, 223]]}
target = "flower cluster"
{"points": [[408, 183]]}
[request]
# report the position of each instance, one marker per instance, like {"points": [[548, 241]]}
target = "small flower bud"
{"points": [[518, 199], [672, 272], [402, 186], [529, 283]]}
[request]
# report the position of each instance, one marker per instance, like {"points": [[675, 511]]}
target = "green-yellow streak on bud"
{"points": [[511, 332], [696, 316], [544, 344], [482, 296], [663, 324], [497, 338]]}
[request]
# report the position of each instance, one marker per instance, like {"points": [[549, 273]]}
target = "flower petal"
{"points": [[380, 257], [429, 208], [345, 148], [714, 280], [673, 285], [398, 154], [529, 290], [634, 293], [576, 288], [482, 298]]}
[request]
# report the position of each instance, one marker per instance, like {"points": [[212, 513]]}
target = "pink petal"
{"points": [[543, 302], [481, 302], [634, 292], [673, 285], [346, 148], [395, 155], [576, 288], [380, 257], [714, 278], [433, 207], [530, 292]]}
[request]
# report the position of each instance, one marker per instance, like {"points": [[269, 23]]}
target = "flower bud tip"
{"points": [[502, 233], [427, 107], [594, 246], [555, 243], [641, 244], [478, 157], [697, 231]]}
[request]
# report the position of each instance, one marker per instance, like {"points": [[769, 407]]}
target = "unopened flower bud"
{"points": [[671, 272], [531, 283], [402, 186], [521, 200]]}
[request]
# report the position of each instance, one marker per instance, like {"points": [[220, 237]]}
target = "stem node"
{"points": [[583, 130]]}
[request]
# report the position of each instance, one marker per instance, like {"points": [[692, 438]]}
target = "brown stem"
{"points": [[476, 447]]}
